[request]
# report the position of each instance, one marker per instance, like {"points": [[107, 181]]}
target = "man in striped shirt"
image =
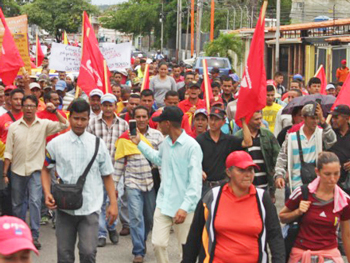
{"points": [[137, 171]]}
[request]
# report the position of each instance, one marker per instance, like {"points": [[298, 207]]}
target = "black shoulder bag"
{"points": [[11, 116], [70, 196], [307, 170], [294, 227]]}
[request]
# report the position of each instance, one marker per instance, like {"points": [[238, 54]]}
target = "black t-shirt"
{"points": [[215, 154], [342, 149], [281, 137]]}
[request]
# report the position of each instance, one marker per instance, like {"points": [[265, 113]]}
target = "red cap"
{"points": [[15, 236], [343, 61], [10, 87], [216, 101], [240, 159]]}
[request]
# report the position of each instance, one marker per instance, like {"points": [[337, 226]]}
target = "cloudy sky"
{"points": [[106, 2]]}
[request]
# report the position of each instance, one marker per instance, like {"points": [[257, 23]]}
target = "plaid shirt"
{"points": [[136, 168], [109, 135]]}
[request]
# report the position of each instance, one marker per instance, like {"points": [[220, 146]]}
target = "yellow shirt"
{"points": [[270, 113]]}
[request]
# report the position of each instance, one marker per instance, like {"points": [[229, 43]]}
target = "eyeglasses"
{"points": [[29, 106]]}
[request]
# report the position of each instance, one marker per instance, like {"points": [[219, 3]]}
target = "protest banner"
{"points": [[17, 24], [117, 55], [43, 48], [64, 57]]}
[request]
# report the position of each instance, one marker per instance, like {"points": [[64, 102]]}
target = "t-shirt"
{"points": [[185, 124], [318, 228], [5, 122], [186, 105], [160, 87], [270, 113], [51, 116], [341, 74], [236, 235], [215, 153]]}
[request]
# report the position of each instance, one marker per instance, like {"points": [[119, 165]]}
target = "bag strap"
{"points": [[300, 149], [11, 116], [82, 178], [304, 192]]}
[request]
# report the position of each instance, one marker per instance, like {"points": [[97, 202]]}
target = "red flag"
{"points": [[206, 86], [145, 81], [344, 94], [10, 59], [252, 94], [322, 76], [92, 73], [39, 53]]}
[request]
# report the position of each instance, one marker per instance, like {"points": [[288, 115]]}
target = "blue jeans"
{"points": [[102, 223], [123, 214], [141, 206], [20, 187]]}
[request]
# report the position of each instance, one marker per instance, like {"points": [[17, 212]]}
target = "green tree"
{"points": [[57, 15], [10, 8], [224, 46]]}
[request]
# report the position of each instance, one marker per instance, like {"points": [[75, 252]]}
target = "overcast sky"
{"points": [[106, 2]]}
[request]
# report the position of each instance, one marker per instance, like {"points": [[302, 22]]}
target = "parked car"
{"points": [[223, 64]]}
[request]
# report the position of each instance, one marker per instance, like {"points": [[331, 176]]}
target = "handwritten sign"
{"points": [[64, 57], [117, 55]]}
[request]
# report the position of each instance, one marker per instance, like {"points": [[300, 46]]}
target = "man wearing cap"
{"points": [[200, 122], [180, 159], [314, 139], [182, 87], [35, 89], [61, 88], [340, 124], [95, 103], [227, 90], [193, 102], [216, 146], [42, 80], [342, 72], [6, 106], [109, 127], [16, 242], [235, 222], [217, 102], [330, 89]]}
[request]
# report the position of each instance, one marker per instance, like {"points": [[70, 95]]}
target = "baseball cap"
{"points": [[61, 85], [234, 76], [34, 85], [341, 109], [218, 113], [96, 92], [10, 87], [43, 77], [170, 113], [201, 111], [215, 70], [47, 87], [15, 236], [330, 86], [298, 77], [308, 110], [33, 77], [343, 61], [194, 84], [216, 101], [108, 97], [240, 159]]}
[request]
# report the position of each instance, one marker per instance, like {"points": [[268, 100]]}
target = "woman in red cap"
{"points": [[234, 222]]}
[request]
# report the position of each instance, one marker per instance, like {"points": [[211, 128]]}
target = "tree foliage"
{"points": [[57, 15], [224, 45], [10, 8]]}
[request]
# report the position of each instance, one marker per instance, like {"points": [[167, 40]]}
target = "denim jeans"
{"points": [[123, 204], [21, 186], [102, 222], [68, 227], [141, 206]]}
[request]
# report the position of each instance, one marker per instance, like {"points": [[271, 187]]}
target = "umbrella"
{"points": [[326, 102]]}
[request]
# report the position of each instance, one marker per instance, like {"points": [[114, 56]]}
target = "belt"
{"points": [[215, 183]]}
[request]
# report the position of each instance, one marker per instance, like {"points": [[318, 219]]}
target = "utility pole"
{"points": [[192, 28], [212, 16], [241, 16], [278, 22], [198, 31], [177, 32], [162, 28], [187, 25], [228, 18], [234, 17], [180, 29]]}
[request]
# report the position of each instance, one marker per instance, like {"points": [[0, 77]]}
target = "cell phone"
{"points": [[132, 127], [318, 101]]}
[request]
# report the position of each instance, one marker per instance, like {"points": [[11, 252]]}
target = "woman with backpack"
{"points": [[324, 210]]}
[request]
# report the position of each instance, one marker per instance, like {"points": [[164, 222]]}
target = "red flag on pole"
{"points": [[322, 76], [206, 86], [252, 94], [39, 52], [10, 59], [145, 81], [92, 73], [344, 94]]}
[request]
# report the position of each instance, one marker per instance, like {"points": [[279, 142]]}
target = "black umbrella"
{"points": [[326, 102]]}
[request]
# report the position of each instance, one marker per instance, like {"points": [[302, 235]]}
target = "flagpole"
{"points": [[36, 51], [263, 10], [144, 77], [82, 42], [105, 73], [206, 84], [318, 71]]}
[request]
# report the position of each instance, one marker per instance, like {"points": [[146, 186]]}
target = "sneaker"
{"points": [[37, 244], [138, 259], [113, 236], [101, 242], [125, 231], [44, 220]]}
